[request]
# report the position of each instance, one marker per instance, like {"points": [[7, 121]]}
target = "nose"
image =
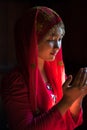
{"points": [[58, 44]]}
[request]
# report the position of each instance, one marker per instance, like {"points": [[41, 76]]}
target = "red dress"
{"points": [[20, 115]]}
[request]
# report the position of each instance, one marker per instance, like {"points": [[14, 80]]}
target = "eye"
{"points": [[60, 39], [50, 42]]}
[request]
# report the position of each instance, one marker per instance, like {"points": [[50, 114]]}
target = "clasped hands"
{"points": [[78, 88]]}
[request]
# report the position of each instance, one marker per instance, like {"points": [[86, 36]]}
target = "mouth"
{"points": [[53, 53]]}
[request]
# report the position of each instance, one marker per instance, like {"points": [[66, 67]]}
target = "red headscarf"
{"points": [[30, 29]]}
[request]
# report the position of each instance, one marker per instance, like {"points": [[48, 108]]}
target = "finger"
{"points": [[78, 76], [84, 91], [67, 82], [83, 78]]}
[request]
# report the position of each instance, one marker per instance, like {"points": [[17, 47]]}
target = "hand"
{"points": [[78, 87], [73, 93]]}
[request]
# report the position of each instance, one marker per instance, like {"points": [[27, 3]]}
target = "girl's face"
{"points": [[49, 46]]}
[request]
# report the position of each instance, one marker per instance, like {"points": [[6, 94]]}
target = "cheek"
{"points": [[43, 51]]}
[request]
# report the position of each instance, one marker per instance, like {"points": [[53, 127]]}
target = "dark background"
{"points": [[74, 15]]}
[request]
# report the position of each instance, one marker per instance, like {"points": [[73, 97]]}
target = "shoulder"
{"points": [[14, 89], [13, 78]]}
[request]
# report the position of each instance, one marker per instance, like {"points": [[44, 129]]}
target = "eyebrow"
{"points": [[54, 35]]}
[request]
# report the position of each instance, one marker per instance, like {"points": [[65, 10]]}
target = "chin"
{"points": [[52, 58]]}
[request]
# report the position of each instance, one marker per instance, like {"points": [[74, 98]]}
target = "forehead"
{"points": [[56, 30]]}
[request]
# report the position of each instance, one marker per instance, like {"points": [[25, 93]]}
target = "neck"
{"points": [[41, 68], [40, 64]]}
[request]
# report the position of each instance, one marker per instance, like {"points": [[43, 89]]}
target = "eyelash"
{"points": [[54, 40]]}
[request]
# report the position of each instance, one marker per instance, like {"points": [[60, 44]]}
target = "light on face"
{"points": [[51, 43], [55, 43]]}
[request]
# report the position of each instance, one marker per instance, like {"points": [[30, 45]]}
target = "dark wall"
{"points": [[74, 16]]}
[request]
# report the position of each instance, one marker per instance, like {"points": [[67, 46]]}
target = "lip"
{"points": [[53, 53]]}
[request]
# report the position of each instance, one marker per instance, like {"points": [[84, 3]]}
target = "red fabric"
{"points": [[19, 113], [30, 29], [26, 99]]}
